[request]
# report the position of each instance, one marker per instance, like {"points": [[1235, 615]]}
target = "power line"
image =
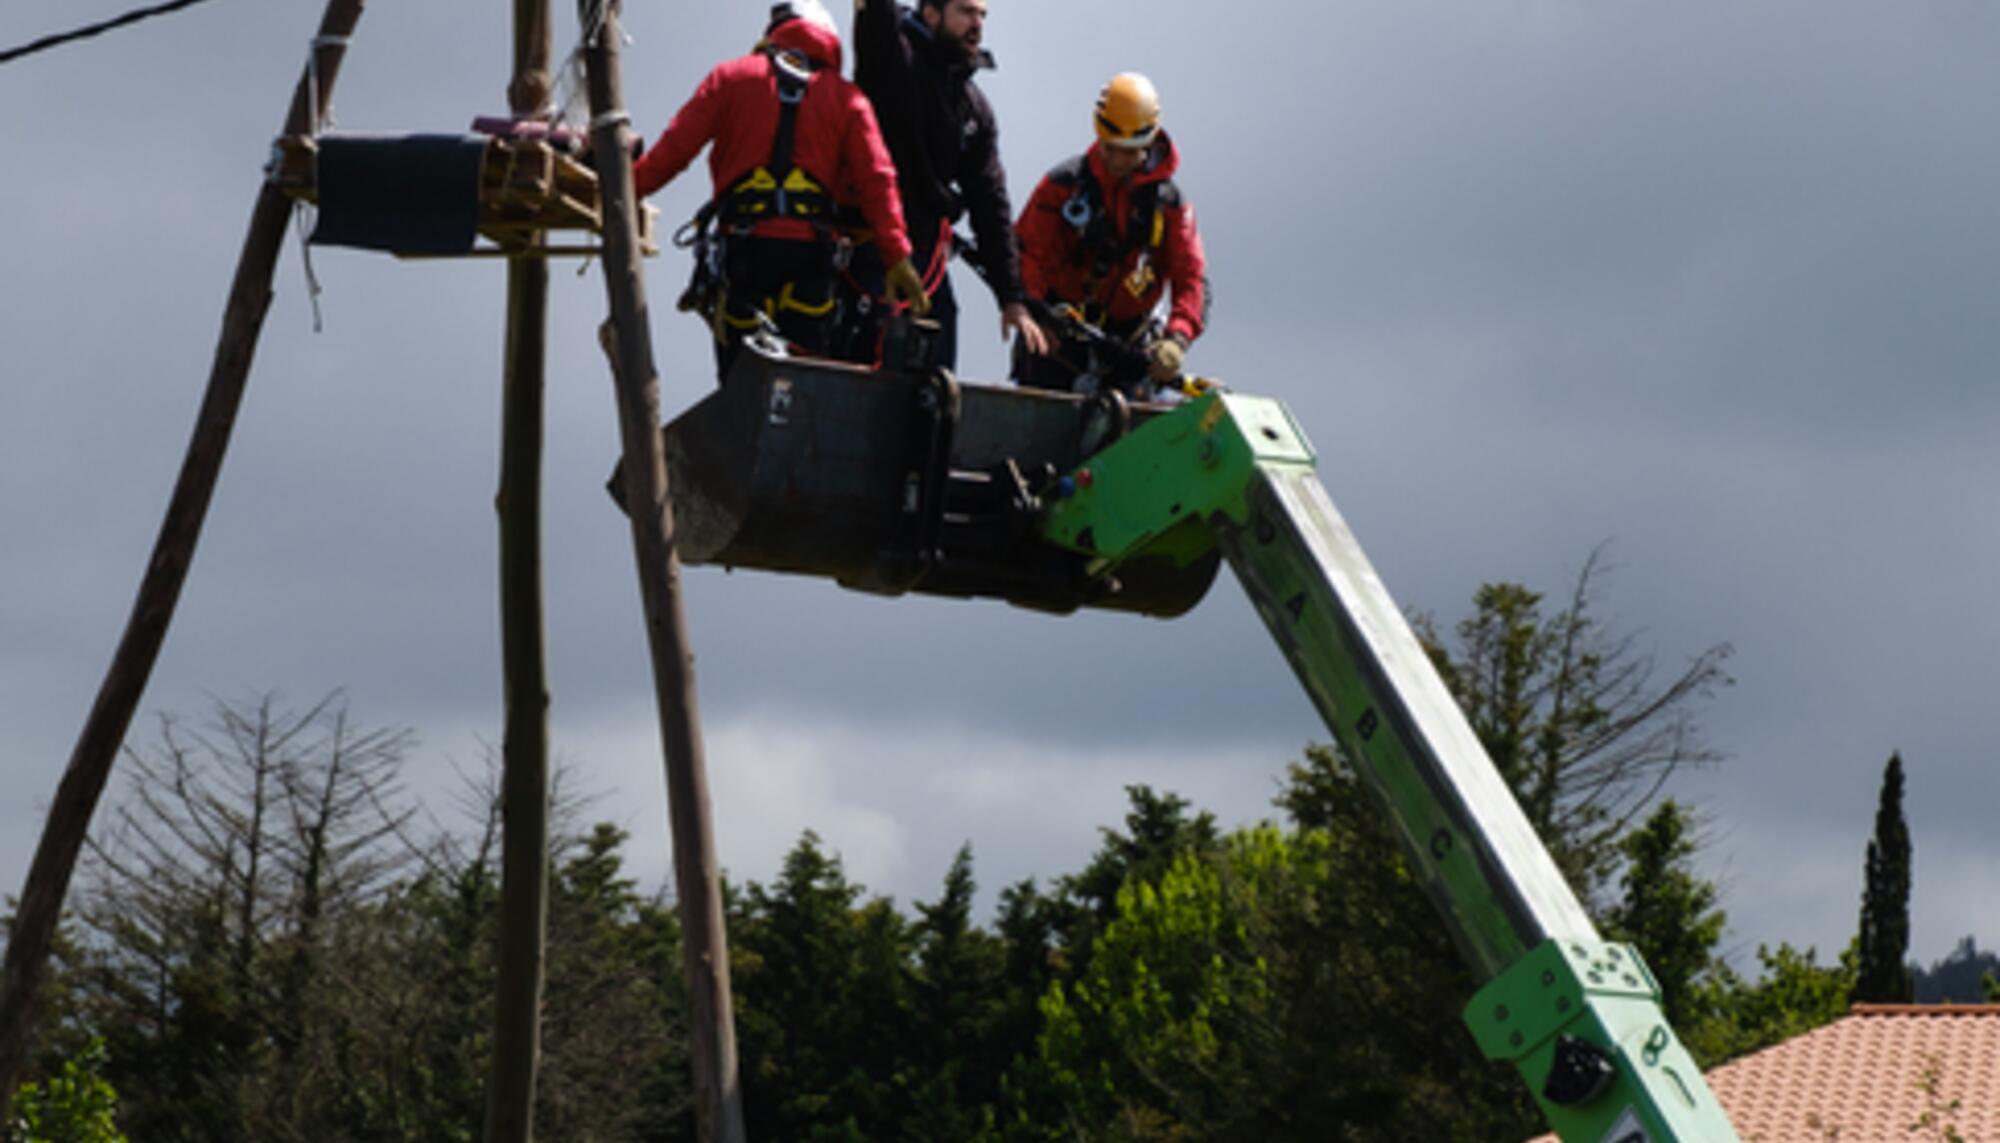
{"points": [[132, 17]]}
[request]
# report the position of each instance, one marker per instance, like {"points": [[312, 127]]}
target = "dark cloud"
{"points": [[1709, 282]]}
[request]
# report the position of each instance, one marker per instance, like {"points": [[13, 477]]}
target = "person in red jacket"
{"points": [[1106, 236], [796, 156]]}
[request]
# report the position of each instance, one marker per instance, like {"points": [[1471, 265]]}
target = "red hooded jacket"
{"points": [[835, 139], [1120, 246]]}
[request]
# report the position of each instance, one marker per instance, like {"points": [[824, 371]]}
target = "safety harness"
{"points": [[1100, 245], [778, 188]]}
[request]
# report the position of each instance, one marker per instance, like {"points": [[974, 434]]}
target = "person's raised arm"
{"points": [[876, 46]]}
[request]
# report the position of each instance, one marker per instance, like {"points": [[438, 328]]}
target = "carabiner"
{"points": [[1076, 211]]}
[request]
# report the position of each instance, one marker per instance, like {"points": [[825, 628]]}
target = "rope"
{"points": [[940, 257], [593, 20], [567, 101], [59, 38], [933, 275], [317, 118], [313, 289]]}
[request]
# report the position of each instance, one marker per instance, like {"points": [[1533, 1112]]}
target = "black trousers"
{"points": [[786, 282]]}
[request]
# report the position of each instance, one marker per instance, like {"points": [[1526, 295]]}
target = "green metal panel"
{"points": [[1241, 466], [1602, 994], [1163, 476]]}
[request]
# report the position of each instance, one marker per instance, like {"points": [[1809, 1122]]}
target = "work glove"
{"points": [[1165, 358], [904, 285]]}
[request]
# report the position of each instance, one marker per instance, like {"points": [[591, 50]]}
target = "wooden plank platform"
{"points": [[526, 186]]}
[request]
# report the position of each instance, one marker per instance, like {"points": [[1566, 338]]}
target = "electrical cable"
{"points": [[59, 38]]}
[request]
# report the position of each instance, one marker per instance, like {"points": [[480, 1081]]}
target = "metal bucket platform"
{"points": [[893, 481]]}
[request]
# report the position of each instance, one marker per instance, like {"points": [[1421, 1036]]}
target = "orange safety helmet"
{"points": [[1128, 111]]}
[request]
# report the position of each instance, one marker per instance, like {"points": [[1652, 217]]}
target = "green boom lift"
{"points": [[910, 480]]}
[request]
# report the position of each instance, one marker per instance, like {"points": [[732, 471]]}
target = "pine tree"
{"points": [[1884, 976], [822, 1000], [1159, 828], [958, 994], [1667, 910]]}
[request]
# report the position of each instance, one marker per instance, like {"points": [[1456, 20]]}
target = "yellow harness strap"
{"points": [[787, 300], [755, 193]]}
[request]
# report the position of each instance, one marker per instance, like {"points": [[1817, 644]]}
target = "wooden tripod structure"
{"points": [[525, 793]]}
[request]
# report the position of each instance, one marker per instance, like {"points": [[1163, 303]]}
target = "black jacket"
{"points": [[941, 134]]}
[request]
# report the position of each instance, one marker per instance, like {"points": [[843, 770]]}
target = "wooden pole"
{"points": [[524, 794], [628, 339], [160, 588]]}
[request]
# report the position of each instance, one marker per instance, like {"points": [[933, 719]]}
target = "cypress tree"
{"points": [[1884, 976]]}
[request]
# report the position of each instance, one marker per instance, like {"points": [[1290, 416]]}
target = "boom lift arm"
{"points": [[901, 480], [1579, 1017]]}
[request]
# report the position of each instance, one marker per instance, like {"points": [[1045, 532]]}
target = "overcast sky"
{"points": [[1714, 283]]}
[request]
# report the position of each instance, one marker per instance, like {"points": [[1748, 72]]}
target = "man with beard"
{"points": [[917, 69]]}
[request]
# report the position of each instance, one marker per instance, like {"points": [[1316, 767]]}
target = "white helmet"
{"points": [[811, 11]]}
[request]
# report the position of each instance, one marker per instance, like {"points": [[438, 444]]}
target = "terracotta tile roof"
{"points": [[1855, 1080]]}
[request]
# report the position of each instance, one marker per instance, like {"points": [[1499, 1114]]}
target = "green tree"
{"points": [[1574, 714], [1158, 829], [614, 1021], [1793, 995], [959, 993], [1957, 976], [1258, 993], [1134, 1039], [271, 954], [74, 1105], [1884, 975], [822, 992], [1028, 927], [1380, 985], [1331, 990], [209, 909], [1667, 911], [64, 1031], [420, 966]]}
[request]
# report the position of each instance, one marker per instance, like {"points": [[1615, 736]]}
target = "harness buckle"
{"points": [[1076, 211]]}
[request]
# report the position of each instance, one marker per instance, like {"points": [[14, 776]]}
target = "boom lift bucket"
{"points": [[895, 481], [910, 480]]}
